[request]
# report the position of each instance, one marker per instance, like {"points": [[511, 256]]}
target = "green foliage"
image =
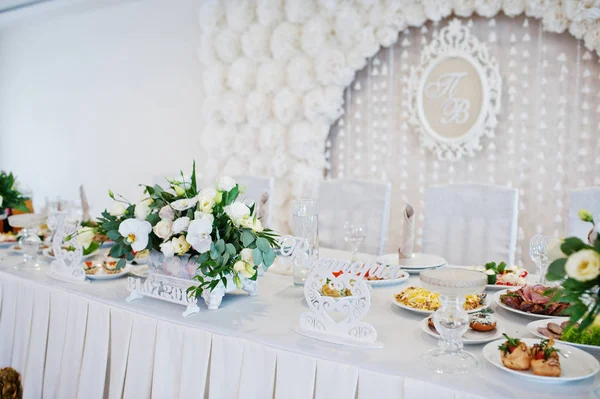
{"points": [[588, 336], [11, 197]]}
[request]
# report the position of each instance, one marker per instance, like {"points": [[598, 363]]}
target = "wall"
{"points": [[104, 94]]}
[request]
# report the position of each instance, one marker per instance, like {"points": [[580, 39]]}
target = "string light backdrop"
{"points": [[545, 143]]}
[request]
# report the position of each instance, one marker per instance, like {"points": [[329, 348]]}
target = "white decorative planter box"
{"points": [[169, 280]]}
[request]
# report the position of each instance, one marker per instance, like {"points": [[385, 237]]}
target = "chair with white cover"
{"points": [[583, 198], [357, 201], [260, 191], [471, 224]]}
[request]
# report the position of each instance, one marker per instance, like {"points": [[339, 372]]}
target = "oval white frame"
{"points": [[456, 41]]}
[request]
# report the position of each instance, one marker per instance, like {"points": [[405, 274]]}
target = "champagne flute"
{"points": [[354, 234], [538, 251]]}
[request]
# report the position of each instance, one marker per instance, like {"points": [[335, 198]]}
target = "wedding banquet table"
{"points": [[85, 341]]}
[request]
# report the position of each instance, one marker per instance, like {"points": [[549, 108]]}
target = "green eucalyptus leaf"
{"points": [[268, 258], [247, 238], [263, 244], [120, 264], [220, 246], [230, 249], [114, 235], [556, 271], [153, 219], [257, 256]]}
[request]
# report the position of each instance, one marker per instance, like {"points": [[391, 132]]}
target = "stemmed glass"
{"points": [[29, 240], [538, 251], [354, 234]]}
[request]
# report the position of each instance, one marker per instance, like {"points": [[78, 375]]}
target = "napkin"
{"points": [[85, 206], [408, 233]]}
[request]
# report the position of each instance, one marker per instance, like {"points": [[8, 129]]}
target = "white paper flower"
{"points": [[258, 109], [236, 212], [285, 105], [299, 11], [578, 11], [488, 8], [330, 68], [578, 29], [386, 35], [555, 20], [300, 74], [305, 141], [513, 7], [180, 225], [435, 10], [216, 138], [591, 38], [167, 249], [375, 14], [142, 209], [393, 16], [239, 14], [198, 235], [135, 233], [305, 180], [327, 7], [279, 164], [226, 183], [272, 136], [315, 35], [184, 204], [258, 166], [285, 41], [118, 209], [166, 212], [355, 59], [214, 78], [323, 105], [227, 45], [242, 75], [414, 14], [270, 77], [255, 42], [163, 229], [269, 12], [367, 41], [212, 110], [463, 8], [233, 107], [210, 15], [245, 146], [85, 236], [347, 22], [537, 8], [206, 50], [234, 166]]}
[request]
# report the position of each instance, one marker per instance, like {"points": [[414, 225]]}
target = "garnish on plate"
{"points": [[482, 321], [544, 359], [89, 267], [501, 274], [422, 299], [514, 354], [110, 266]]}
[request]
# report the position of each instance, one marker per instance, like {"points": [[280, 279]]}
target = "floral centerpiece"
{"points": [[222, 234], [577, 265], [10, 197]]}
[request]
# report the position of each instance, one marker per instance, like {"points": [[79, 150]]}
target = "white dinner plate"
{"points": [[534, 315], [140, 271], [46, 253], [418, 261], [471, 337], [421, 311], [533, 326], [102, 275], [578, 366], [386, 283]]}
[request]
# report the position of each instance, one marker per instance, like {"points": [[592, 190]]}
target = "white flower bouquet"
{"points": [[222, 234]]}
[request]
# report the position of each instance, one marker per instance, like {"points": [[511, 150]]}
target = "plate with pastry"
{"points": [[560, 330], [105, 270], [421, 300], [531, 301], [399, 277], [541, 360], [483, 328]]}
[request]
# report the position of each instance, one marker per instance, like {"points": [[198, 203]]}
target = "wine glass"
{"points": [[538, 251], [354, 234], [29, 240]]}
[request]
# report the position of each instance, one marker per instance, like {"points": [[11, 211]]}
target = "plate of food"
{"points": [[541, 360], [400, 277], [49, 252], [420, 300], [19, 249], [415, 264], [501, 276], [483, 328], [7, 239], [531, 301], [105, 270], [560, 331]]}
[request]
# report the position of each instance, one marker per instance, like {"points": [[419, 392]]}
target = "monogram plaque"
{"points": [[455, 93]]}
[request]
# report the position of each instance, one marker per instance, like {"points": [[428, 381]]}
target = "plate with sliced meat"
{"points": [[531, 301], [559, 329]]}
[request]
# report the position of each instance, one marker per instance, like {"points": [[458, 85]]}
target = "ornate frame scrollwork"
{"points": [[456, 41]]}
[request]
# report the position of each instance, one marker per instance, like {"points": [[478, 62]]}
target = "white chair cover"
{"points": [[471, 224], [584, 198], [256, 187], [365, 201]]}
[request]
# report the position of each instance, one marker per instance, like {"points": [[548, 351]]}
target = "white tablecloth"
{"points": [[85, 341]]}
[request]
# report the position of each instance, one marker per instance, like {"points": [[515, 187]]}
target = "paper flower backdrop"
{"points": [[276, 71]]}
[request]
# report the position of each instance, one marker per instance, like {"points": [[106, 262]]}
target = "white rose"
{"points": [[242, 75], [257, 109], [118, 209], [257, 226], [237, 211], [315, 35], [206, 204], [167, 249], [226, 183], [142, 209], [285, 105], [180, 245], [246, 255], [554, 251], [244, 269], [464, 8], [285, 41], [513, 8], [208, 192], [184, 204], [227, 45], [206, 216], [435, 10], [255, 42], [331, 68], [163, 229], [583, 265], [180, 225], [85, 236], [247, 222], [270, 77], [166, 212], [233, 107]]}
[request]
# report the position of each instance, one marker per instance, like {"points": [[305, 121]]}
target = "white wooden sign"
{"points": [[66, 265]]}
